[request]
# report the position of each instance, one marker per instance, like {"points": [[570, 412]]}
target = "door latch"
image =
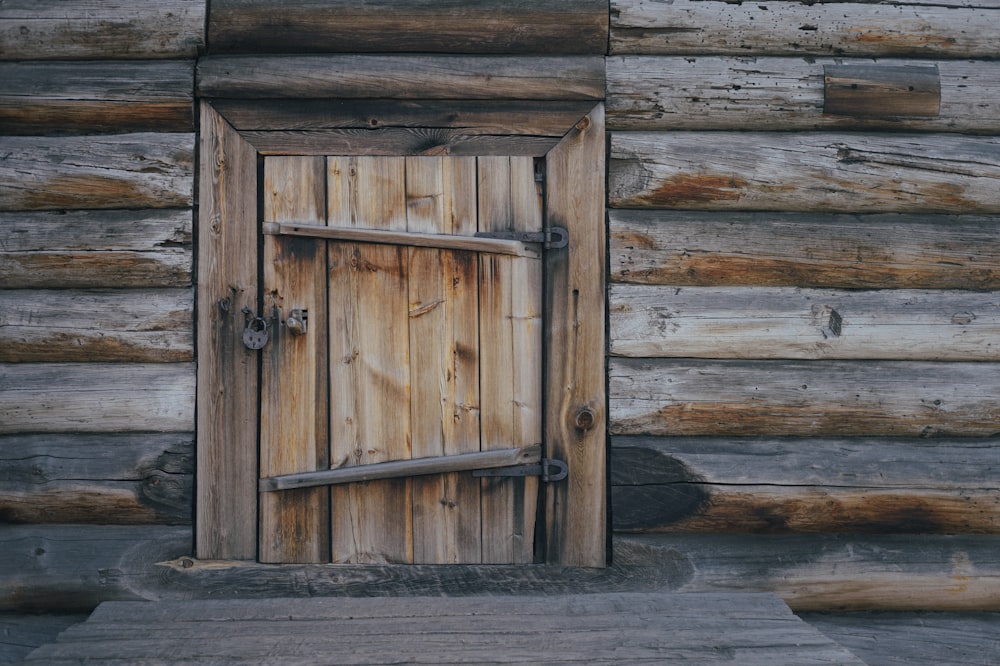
{"points": [[551, 238], [296, 322], [548, 469]]}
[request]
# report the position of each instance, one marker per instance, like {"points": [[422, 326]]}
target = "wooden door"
{"points": [[409, 352]]}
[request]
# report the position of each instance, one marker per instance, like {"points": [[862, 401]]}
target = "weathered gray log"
{"points": [[904, 398], [419, 26], [801, 250], [82, 249], [95, 29], [403, 77], [105, 478], [89, 97], [785, 322], [682, 484], [97, 397], [881, 91], [815, 172], [762, 93], [22, 633], [920, 29], [142, 170], [113, 325]]}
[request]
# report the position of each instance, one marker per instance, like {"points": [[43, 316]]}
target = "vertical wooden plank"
{"points": [[226, 496], [294, 525], [444, 363], [575, 401], [507, 380], [369, 352]]}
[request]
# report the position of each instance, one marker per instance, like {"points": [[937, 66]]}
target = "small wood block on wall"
{"points": [[878, 91]]}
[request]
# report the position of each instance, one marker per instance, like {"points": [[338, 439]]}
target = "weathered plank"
{"points": [[96, 397], [96, 97], [141, 170], [85, 270], [796, 250], [228, 381], [97, 30], [784, 322], [22, 633], [815, 172], [419, 26], [106, 478], [757, 485], [917, 29], [905, 398], [110, 325], [95, 231], [733, 93], [575, 395], [403, 77]]}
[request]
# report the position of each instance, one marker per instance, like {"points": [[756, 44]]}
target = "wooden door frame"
{"points": [[575, 404]]}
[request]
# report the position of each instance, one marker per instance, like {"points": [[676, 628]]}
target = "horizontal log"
{"points": [[743, 485], [84, 270], [22, 634], [119, 325], [818, 398], [396, 142], [424, 26], [785, 249], [92, 29], [785, 322], [403, 77], [911, 29], [742, 93], [96, 97], [831, 572], [97, 397], [815, 172], [142, 170], [104, 478]]}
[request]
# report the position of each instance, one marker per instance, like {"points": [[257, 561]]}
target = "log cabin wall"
{"points": [[803, 301]]}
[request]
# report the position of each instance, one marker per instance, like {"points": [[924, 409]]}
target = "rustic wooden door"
{"points": [[412, 348]]}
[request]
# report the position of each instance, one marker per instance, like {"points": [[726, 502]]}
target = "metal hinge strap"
{"points": [[551, 238], [547, 469]]}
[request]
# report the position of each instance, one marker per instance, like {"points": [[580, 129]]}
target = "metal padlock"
{"points": [[255, 334]]}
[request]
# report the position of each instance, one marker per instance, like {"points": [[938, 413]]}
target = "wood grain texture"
{"points": [[815, 172], [912, 29], [782, 322], [295, 524], [805, 250], [98, 30], [141, 170], [108, 325], [774, 485], [97, 478], [96, 397], [228, 383], [427, 26], [881, 91], [767, 93], [403, 77], [575, 397], [96, 97], [904, 398]]}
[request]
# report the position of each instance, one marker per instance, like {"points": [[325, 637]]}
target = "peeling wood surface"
{"points": [[96, 397], [97, 478], [95, 29], [815, 172], [789, 323], [805, 250], [403, 77], [108, 325], [913, 29], [420, 26], [141, 170], [96, 97], [904, 398], [786, 485], [767, 93]]}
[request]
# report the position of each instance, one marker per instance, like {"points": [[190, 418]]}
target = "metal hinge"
{"points": [[552, 238], [547, 469]]}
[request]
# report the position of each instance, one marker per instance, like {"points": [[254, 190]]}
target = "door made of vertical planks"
{"points": [[409, 352]]}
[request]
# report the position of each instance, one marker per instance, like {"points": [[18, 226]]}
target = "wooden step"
{"points": [[593, 629]]}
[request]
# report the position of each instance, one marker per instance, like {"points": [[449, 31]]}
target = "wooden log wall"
{"points": [[97, 377], [805, 284]]}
